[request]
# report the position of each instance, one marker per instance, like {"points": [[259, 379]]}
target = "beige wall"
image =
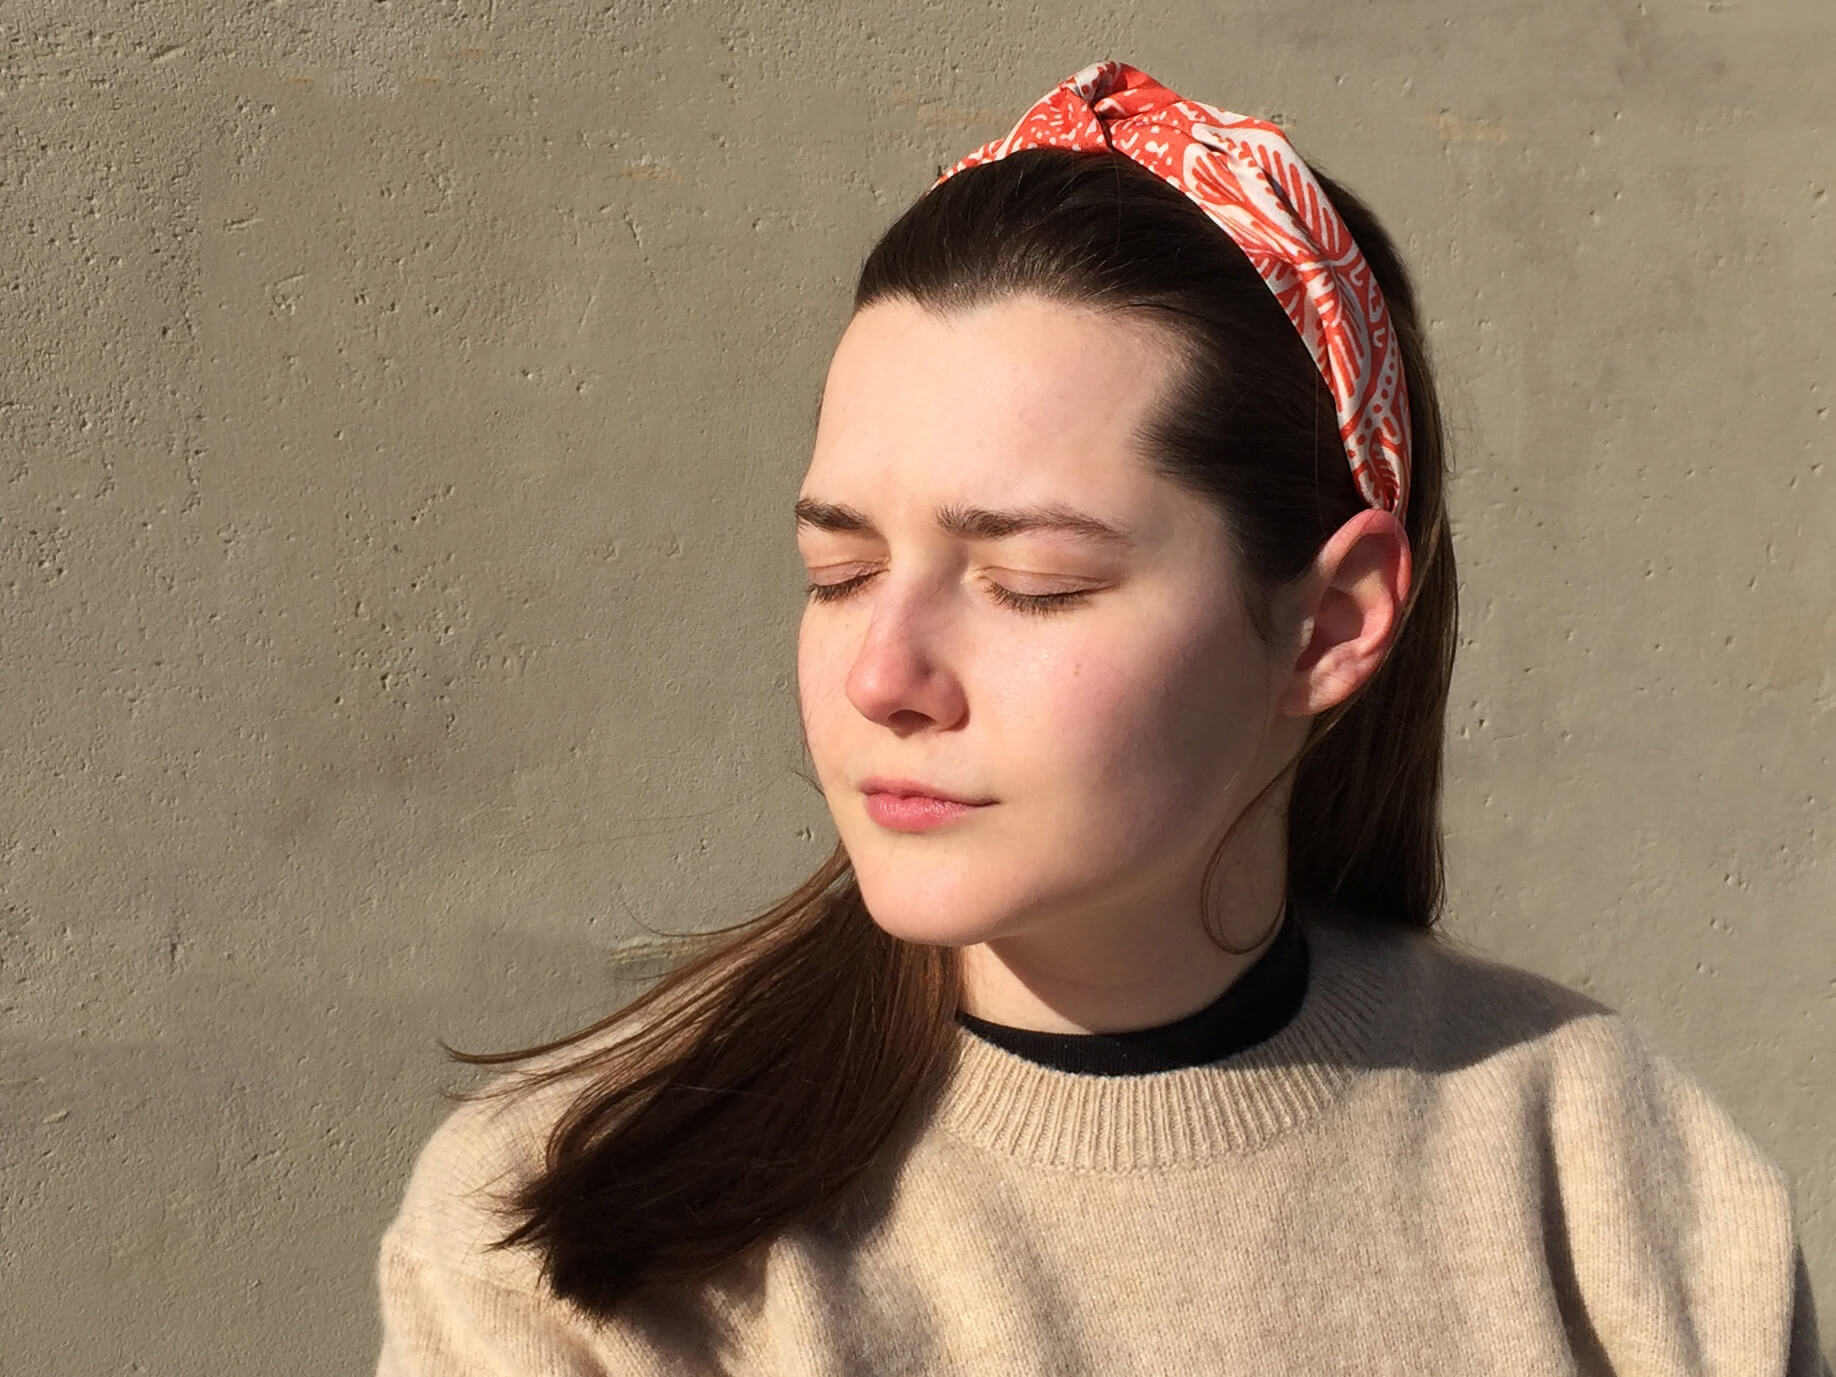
{"points": [[401, 406]]}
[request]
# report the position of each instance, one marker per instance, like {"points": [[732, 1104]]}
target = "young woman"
{"points": [[1116, 1035]]}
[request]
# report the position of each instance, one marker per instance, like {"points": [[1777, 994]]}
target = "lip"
{"points": [[911, 788], [907, 805]]}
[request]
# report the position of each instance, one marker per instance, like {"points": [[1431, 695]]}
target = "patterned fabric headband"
{"points": [[1244, 174]]}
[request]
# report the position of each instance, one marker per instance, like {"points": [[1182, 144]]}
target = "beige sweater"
{"points": [[1441, 1165]]}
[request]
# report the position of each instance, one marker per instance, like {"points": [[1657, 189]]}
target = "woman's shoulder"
{"points": [[1596, 1083], [1637, 1169], [1431, 978], [453, 1299], [456, 1206]]}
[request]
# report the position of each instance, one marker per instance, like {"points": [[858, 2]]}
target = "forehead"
{"points": [[1019, 400]]}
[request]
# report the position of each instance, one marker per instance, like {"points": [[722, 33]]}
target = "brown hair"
{"points": [[765, 1074]]}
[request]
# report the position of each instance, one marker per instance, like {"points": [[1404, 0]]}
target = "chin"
{"points": [[935, 909], [926, 927]]}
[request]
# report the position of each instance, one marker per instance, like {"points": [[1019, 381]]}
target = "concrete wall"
{"points": [[401, 409]]}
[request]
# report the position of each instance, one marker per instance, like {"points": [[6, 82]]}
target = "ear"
{"points": [[1351, 605]]}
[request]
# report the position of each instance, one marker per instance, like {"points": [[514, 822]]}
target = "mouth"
{"points": [[918, 792], [911, 805]]}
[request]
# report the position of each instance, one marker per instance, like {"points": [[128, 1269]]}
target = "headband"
{"points": [[1246, 176]]}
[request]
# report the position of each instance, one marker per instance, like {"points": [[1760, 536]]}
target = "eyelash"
{"points": [[1037, 603]]}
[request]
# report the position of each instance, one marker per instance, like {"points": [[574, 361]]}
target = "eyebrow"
{"points": [[973, 523]]}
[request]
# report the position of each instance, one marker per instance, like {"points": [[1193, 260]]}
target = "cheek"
{"points": [[1153, 727]]}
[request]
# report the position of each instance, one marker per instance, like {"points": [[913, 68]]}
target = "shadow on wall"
{"points": [[260, 1144]]}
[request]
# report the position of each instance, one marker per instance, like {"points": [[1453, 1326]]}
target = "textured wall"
{"points": [[400, 409]]}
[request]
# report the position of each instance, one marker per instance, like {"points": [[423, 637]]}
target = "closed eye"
{"points": [[1038, 603]]}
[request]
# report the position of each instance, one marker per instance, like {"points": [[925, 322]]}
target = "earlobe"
{"points": [[1354, 600]]}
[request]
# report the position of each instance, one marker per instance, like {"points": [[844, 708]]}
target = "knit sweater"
{"points": [[1439, 1164]]}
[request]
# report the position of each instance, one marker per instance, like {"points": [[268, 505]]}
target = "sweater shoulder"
{"points": [[457, 1205], [1667, 1224], [1477, 1002], [1443, 1005], [1590, 1079]]}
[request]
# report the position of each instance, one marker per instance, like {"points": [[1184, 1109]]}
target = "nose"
{"points": [[901, 677]]}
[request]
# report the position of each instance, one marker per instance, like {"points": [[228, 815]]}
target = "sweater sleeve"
{"points": [[1679, 1232]]}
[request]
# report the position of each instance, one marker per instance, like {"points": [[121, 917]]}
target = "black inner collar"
{"points": [[1258, 1005]]}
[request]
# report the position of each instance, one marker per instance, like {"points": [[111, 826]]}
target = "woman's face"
{"points": [[1114, 735]]}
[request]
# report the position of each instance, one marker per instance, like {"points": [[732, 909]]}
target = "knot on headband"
{"points": [[1245, 175]]}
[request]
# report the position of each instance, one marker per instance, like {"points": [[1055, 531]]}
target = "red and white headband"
{"points": [[1246, 176]]}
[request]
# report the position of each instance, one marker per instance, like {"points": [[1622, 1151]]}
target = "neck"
{"points": [[1139, 963]]}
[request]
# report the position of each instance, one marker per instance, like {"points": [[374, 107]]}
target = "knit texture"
{"points": [[1442, 1164]]}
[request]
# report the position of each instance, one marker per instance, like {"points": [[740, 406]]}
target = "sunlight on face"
{"points": [[1117, 727]]}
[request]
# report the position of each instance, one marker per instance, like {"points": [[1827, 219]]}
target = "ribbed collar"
{"points": [[1007, 1104]]}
